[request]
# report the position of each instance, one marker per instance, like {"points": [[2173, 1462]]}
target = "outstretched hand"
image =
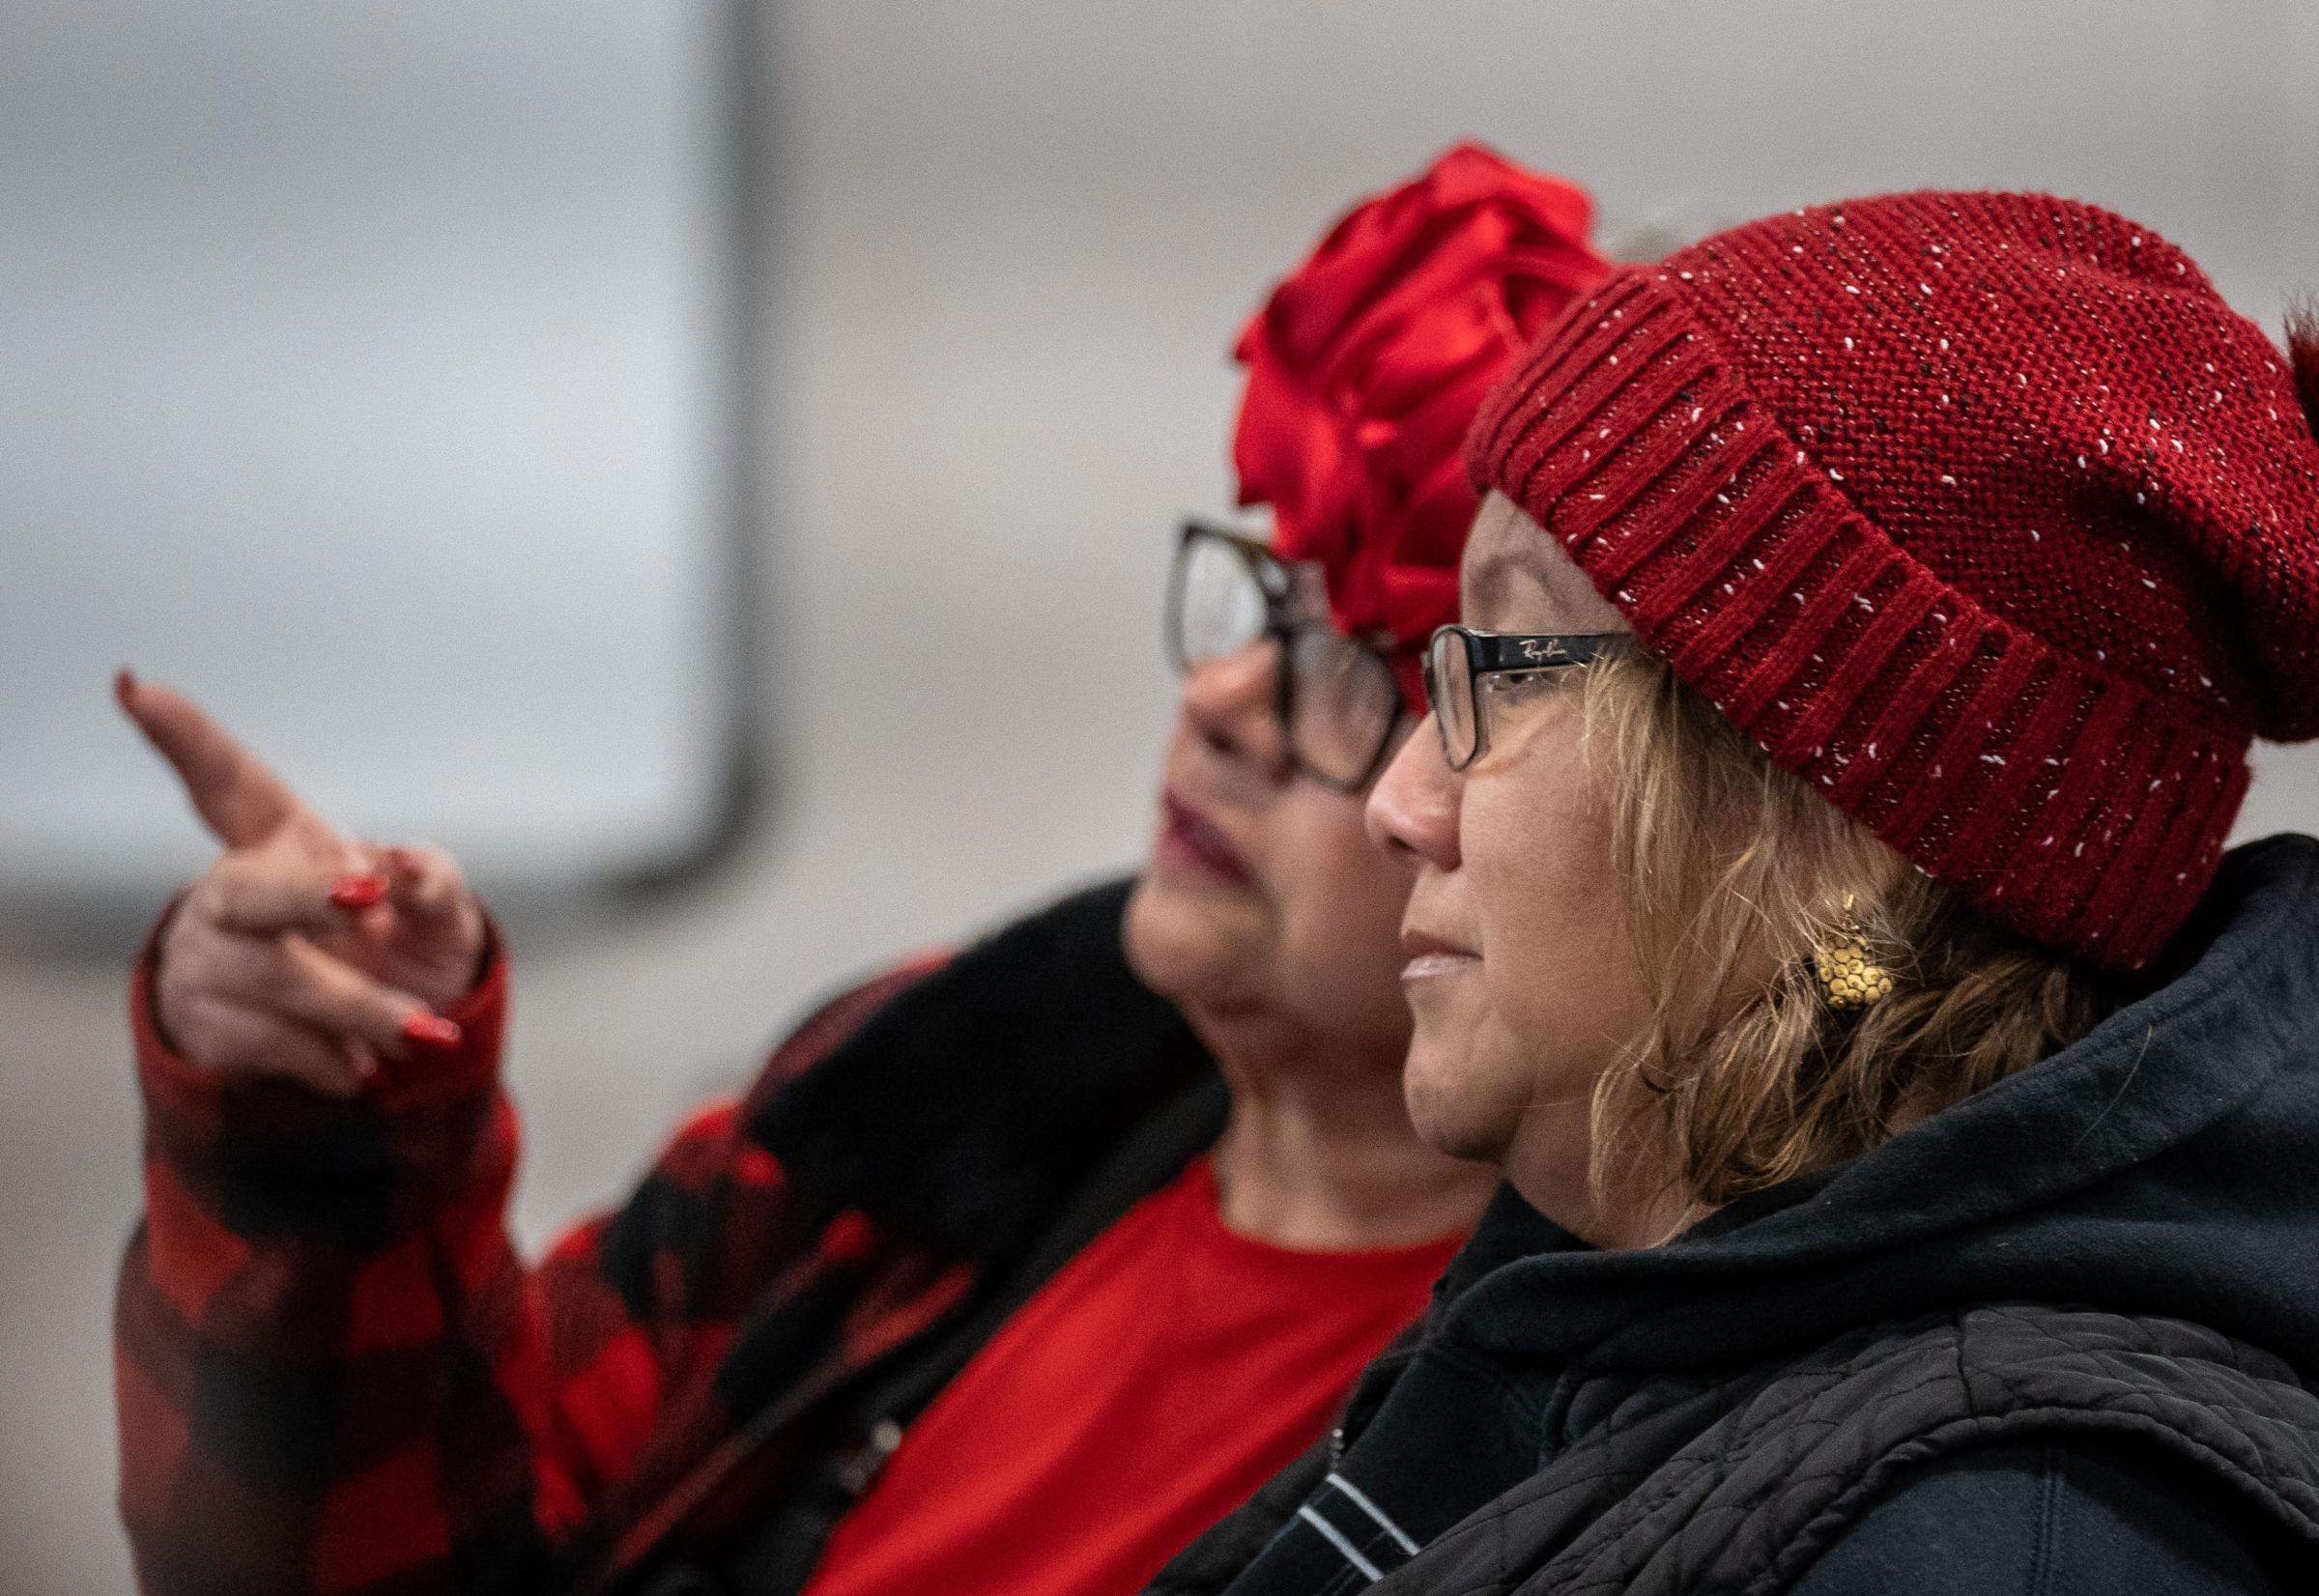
{"points": [[302, 954]]}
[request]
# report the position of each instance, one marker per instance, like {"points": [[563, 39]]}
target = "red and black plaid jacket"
{"points": [[335, 1374]]}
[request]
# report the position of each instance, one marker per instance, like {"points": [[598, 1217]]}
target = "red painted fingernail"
{"points": [[357, 892], [125, 682], [430, 1030]]}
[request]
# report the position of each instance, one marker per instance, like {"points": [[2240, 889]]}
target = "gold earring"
{"points": [[1847, 977]]}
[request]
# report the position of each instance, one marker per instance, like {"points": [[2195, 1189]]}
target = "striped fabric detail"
{"points": [[1337, 1538], [1355, 1528]]}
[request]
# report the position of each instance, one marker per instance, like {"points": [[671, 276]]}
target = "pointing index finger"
{"points": [[236, 796]]}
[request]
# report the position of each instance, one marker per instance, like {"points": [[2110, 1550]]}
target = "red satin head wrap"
{"points": [[1367, 363]]}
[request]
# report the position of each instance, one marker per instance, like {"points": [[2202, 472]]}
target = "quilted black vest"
{"points": [[1739, 1485], [1663, 1485]]}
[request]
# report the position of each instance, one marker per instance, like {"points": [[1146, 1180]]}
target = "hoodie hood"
{"points": [[2167, 1164]]}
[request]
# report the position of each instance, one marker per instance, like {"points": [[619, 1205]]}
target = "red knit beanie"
{"points": [[1367, 363], [1981, 512]]}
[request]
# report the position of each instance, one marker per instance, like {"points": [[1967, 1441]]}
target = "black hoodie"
{"points": [[2097, 1278]]}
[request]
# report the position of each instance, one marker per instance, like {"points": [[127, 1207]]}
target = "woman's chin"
{"points": [[1184, 943], [1447, 1111]]}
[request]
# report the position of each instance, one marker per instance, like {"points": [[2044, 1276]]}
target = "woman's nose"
{"points": [[1412, 809], [1230, 701]]}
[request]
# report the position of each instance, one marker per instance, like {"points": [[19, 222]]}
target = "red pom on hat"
{"points": [[1983, 513], [1368, 361]]}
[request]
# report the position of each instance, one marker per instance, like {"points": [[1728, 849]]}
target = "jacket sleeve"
{"points": [[2049, 1517], [334, 1372]]}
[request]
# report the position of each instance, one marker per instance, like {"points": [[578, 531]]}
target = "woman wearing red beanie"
{"points": [[1013, 1269], [1910, 1115]]}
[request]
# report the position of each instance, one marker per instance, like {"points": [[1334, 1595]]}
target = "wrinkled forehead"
{"points": [[1517, 577]]}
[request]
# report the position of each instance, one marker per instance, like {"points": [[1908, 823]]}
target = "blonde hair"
{"points": [[1734, 872]]}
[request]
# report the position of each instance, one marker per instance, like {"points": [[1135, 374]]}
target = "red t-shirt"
{"points": [[1160, 1377]]}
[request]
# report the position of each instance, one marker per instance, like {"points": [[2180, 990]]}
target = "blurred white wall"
{"points": [[1013, 241], [359, 355]]}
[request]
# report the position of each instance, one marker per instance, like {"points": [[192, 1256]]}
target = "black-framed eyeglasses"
{"points": [[1337, 698], [1462, 664]]}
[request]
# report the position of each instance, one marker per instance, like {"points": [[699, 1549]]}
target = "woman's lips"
{"points": [[1431, 956], [1186, 837]]}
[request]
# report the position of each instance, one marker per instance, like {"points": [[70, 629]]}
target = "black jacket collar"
{"points": [[973, 1105]]}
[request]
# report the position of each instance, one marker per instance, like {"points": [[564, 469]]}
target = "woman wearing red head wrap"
{"points": [[1013, 1271]]}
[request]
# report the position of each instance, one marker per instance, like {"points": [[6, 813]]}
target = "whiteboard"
{"points": [[363, 372]]}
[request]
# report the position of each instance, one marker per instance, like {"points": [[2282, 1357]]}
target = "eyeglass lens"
{"points": [[1449, 690], [1344, 703], [1341, 698], [1219, 605]]}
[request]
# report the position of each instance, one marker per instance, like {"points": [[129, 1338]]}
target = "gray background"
{"points": [[361, 354], [1010, 243]]}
